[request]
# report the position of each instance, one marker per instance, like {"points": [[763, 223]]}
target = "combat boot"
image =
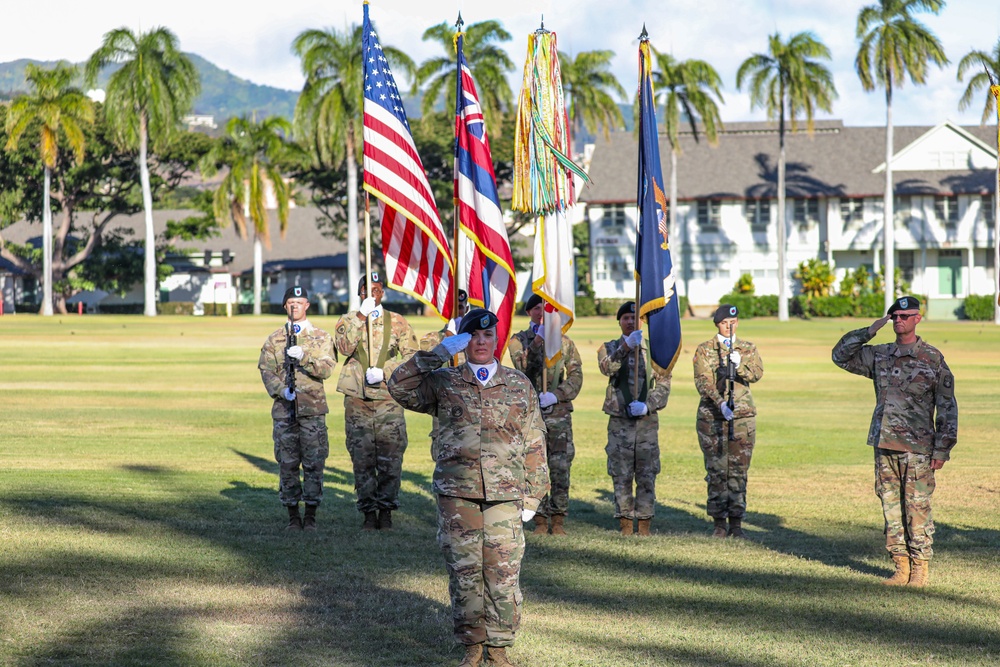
{"points": [[626, 525], [736, 527], [720, 528], [385, 519], [902, 574], [920, 573], [541, 525], [294, 520], [371, 521], [644, 527], [557, 524], [309, 520], [498, 657], [473, 656]]}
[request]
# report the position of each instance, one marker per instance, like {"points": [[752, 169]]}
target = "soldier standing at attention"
{"points": [[374, 423], [913, 428], [300, 437], [489, 476], [564, 380], [633, 425], [727, 460]]}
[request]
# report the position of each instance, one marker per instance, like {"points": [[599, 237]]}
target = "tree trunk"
{"points": [[46, 309], [888, 206], [353, 239], [149, 266], [782, 242]]}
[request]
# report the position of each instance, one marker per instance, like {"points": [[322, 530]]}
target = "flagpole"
{"points": [[368, 272], [643, 37], [454, 200]]}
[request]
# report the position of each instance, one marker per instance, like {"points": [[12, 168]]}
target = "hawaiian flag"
{"points": [[654, 270], [417, 259], [485, 260]]}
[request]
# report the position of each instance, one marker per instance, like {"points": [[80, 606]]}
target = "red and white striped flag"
{"points": [[417, 259]]}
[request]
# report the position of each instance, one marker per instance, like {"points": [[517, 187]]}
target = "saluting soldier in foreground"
{"points": [[913, 429], [489, 476], [374, 423], [633, 425], [563, 383], [725, 398], [294, 361]]}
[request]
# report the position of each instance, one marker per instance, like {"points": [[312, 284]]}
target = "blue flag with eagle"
{"points": [[654, 271]]}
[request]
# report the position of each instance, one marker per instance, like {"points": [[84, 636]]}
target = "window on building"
{"points": [[709, 214], [614, 216], [987, 209], [946, 209], [806, 211], [758, 214], [902, 209], [906, 264], [852, 211]]}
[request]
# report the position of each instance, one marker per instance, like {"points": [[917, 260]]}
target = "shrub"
{"points": [[744, 285], [585, 306], [749, 305], [978, 307], [816, 277]]}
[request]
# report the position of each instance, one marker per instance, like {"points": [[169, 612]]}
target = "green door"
{"points": [[950, 275]]}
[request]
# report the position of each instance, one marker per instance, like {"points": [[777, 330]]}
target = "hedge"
{"points": [[977, 307]]}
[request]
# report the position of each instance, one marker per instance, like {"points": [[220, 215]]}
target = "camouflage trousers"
{"points": [[483, 544], [301, 443], [634, 457], [560, 452], [376, 440], [904, 482], [726, 464]]}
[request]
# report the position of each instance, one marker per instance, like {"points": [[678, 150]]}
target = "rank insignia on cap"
{"points": [[483, 374]]}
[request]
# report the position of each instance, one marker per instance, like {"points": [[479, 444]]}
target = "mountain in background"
{"points": [[223, 94]]}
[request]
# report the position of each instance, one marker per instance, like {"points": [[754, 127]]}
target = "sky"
{"points": [[252, 40]]}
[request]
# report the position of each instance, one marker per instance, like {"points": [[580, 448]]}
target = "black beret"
{"points": [[532, 301], [294, 293], [477, 319], [725, 311], [376, 278], [904, 303], [627, 307]]}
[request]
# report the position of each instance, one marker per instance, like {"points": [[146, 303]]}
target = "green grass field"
{"points": [[139, 520]]}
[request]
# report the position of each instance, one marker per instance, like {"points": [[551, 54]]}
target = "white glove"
{"points": [[367, 306], [457, 343], [735, 357], [727, 414], [527, 515], [453, 325], [634, 339], [295, 352], [374, 375], [637, 408], [287, 395], [547, 398]]}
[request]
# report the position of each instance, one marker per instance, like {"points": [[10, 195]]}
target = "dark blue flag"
{"points": [[654, 271]]}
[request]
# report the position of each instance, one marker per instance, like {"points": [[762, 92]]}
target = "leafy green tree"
{"points": [[56, 106], [147, 96], [330, 111], [253, 154], [788, 80], [815, 277], [591, 88], [893, 45], [744, 285]]}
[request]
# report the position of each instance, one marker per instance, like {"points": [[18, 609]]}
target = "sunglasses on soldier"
{"points": [[903, 316]]}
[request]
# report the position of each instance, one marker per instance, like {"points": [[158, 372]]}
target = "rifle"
{"points": [[731, 379], [290, 364]]}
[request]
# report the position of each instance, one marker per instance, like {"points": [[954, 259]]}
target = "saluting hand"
{"points": [[878, 324]]}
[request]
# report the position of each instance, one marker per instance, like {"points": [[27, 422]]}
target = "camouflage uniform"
{"points": [[427, 343], [489, 465], [300, 440], [564, 380], [633, 448], [915, 421], [373, 422], [726, 461]]}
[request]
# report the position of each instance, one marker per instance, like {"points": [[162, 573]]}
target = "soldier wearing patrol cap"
{"points": [[490, 474], [294, 362], [913, 429], [633, 447], [727, 460], [374, 423]]}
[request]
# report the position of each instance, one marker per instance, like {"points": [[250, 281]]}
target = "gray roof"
{"points": [[836, 161]]}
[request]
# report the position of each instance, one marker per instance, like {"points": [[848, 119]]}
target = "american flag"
{"points": [[484, 257], [417, 260]]}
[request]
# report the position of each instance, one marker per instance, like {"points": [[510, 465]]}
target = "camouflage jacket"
{"points": [[565, 379], [490, 440], [351, 340], [431, 340], [316, 365], [610, 358], [909, 390], [713, 384]]}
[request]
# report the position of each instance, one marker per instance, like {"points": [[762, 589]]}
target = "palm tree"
{"points": [[329, 114], [254, 154], [788, 79], [487, 60], [894, 44], [688, 87], [146, 99], [589, 83], [57, 106], [987, 79]]}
